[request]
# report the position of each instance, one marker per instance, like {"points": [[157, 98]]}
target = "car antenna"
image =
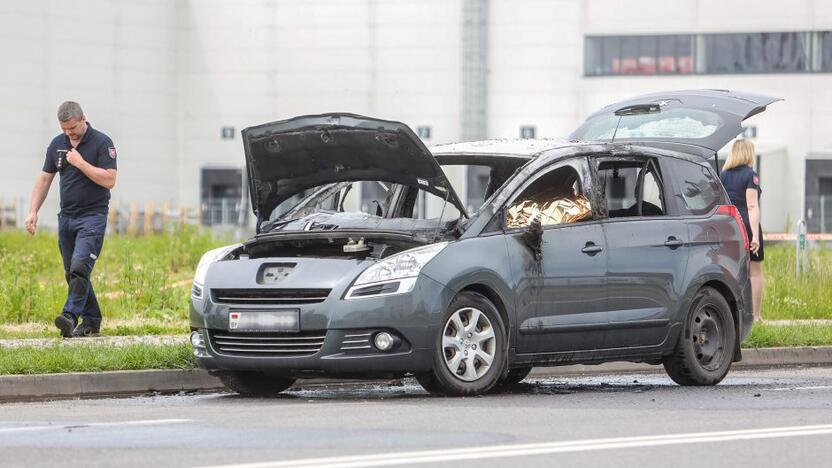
{"points": [[615, 132], [635, 109]]}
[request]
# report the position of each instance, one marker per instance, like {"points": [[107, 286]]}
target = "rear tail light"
{"points": [[731, 210]]}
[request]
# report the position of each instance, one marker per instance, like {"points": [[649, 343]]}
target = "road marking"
{"points": [[149, 422], [783, 389], [501, 451]]}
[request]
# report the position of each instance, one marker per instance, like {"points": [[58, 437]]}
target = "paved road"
{"points": [[756, 418]]}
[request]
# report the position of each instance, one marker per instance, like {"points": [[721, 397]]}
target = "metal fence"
{"points": [[221, 212]]}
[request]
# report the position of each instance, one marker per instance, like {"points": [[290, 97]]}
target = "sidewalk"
{"points": [[96, 341]]}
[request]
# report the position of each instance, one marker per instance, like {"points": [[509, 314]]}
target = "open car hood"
{"points": [[708, 118], [286, 157]]}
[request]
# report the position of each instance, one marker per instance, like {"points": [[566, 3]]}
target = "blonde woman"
{"points": [[743, 186]]}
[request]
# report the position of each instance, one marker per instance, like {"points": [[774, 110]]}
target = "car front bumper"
{"points": [[344, 327]]}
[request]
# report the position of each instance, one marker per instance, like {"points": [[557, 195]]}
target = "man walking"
{"points": [[86, 159]]}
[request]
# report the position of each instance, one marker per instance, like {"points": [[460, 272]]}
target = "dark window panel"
{"points": [[647, 48], [629, 55], [684, 54], [667, 55], [593, 61], [825, 44], [770, 52], [611, 55]]}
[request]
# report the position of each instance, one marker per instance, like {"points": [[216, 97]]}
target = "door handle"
{"points": [[591, 248], [673, 242]]}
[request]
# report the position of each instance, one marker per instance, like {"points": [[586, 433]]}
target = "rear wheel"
{"points": [[255, 383], [706, 348], [469, 350]]}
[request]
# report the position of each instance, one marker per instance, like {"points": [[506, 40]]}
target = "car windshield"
{"points": [[369, 200], [383, 200]]}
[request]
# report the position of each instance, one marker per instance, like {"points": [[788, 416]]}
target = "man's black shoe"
{"points": [[65, 324], [87, 328]]}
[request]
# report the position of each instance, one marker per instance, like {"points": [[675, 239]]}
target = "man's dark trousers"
{"points": [[80, 239]]}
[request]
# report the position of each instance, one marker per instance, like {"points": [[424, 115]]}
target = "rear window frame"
{"points": [[678, 204]]}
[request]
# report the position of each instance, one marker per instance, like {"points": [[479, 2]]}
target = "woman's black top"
{"points": [[736, 181]]}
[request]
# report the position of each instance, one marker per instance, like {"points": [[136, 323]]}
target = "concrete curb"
{"points": [[93, 384]]}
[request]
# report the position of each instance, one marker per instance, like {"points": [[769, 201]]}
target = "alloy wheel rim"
{"points": [[707, 334], [468, 344]]}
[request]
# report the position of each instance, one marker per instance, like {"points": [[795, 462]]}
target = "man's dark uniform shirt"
{"points": [[79, 194]]}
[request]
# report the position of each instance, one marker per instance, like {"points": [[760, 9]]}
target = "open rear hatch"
{"points": [[705, 118], [286, 157]]}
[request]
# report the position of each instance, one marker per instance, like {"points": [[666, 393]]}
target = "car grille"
{"points": [[267, 344], [270, 296], [356, 341]]}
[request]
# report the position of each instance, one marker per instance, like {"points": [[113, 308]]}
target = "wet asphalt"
{"points": [[748, 420]]}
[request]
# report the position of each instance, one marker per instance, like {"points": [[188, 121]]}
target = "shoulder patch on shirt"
{"points": [[756, 180], [112, 152]]}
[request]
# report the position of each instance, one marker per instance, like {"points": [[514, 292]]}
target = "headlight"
{"points": [[399, 272], [210, 257]]}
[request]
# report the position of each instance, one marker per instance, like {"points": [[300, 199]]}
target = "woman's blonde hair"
{"points": [[742, 154]]}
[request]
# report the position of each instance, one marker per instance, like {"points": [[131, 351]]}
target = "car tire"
{"points": [[255, 383], [515, 376], [470, 340], [705, 349]]}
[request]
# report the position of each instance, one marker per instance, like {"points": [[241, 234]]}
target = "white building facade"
{"points": [[174, 81]]}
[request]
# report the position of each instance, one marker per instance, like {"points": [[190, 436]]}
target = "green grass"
{"points": [[94, 358], [136, 278], [775, 336], [787, 297]]}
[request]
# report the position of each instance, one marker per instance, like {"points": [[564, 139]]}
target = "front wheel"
{"points": [[705, 350], [516, 375], [255, 384], [469, 351]]}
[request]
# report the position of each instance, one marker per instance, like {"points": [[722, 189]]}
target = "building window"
{"points": [[221, 196], [825, 51], [757, 53], [770, 52], [639, 55]]}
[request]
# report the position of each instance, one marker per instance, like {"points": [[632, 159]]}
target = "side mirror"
{"points": [[532, 237]]}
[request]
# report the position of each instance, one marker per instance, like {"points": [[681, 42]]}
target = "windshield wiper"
{"points": [[271, 225], [635, 109]]}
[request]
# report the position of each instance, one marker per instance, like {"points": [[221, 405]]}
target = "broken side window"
{"points": [[556, 197], [631, 187]]}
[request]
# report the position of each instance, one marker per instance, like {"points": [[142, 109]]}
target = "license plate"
{"points": [[264, 320]]}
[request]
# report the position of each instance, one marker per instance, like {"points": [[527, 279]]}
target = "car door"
{"points": [[561, 294], [647, 251]]}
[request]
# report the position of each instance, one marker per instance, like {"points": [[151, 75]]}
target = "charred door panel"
{"points": [[562, 299]]}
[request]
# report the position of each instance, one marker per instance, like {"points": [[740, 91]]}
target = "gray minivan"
{"points": [[619, 244]]}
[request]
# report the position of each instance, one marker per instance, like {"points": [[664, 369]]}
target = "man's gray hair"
{"points": [[70, 110]]}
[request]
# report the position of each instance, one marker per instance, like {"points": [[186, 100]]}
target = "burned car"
{"points": [[618, 244]]}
